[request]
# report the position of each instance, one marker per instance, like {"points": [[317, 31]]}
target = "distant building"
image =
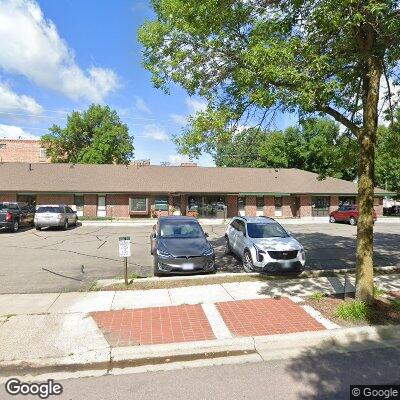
{"points": [[22, 150]]}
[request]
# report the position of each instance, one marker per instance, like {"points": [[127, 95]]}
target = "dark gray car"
{"points": [[179, 246]]}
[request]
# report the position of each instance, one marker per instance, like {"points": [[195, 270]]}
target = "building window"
{"points": [[139, 205], [320, 206], [347, 200], [193, 203], [260, 203], [278, 203], [161, 203], [241, 202], [3, 145], [42, 153], [27, 199]]}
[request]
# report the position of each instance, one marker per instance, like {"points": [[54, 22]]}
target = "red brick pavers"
{"points": [[155, 325], [266, 317]]}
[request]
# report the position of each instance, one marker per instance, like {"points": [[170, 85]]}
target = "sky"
{"points": [[62, 55]]}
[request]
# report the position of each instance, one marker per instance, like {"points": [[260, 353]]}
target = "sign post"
{"points": [[124, 245]]}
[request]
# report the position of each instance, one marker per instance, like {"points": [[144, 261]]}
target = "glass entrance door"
{"points": [[206, 206]]}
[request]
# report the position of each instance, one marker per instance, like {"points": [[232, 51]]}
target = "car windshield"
{"points": [[187, 229], [49, 210], [266, 230]]}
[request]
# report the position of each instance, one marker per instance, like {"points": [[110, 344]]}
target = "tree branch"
{"points": [[341, 118]]}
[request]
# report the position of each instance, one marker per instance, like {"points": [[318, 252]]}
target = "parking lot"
{"points": [[53, 260]]}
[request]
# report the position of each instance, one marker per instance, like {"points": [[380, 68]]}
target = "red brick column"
{"points": [[287, 211], [334, 203], [232, 206], [305, 206], [184, 201], [8, 197], [120, 203], [90, 205], [378, 206], [250, 207], [269, 206]]}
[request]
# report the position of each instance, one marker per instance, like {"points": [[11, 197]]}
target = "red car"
{"points": [[346, 213]]}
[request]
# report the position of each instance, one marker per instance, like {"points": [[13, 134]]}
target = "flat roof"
{"points": [[110, 178]]}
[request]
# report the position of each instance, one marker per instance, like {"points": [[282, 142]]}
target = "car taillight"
{"points": [[8, 216]]}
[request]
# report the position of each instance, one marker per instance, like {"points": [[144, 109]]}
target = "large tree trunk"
{"points": [[367, 141]]}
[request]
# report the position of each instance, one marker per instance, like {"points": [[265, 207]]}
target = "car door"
{"points": [[153, 239], [232, 234], [71, 216], [240, 238], [339, 213]]}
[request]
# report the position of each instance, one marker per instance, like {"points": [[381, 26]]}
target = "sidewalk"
{"points": [[100, 331]]}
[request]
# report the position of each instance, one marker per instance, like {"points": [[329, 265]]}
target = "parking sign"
{"points": [[124, 245]]}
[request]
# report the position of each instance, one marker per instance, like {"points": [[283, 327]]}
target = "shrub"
{"points": [[317, 296], [396, 304], [353, 310]]}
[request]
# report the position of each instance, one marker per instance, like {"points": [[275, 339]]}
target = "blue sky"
{"points": [[61, 55]]}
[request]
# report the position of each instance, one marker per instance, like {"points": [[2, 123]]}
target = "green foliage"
{"points": [[318, 296], [353, 310], [94, 136], [396, 304], [378, 291]]}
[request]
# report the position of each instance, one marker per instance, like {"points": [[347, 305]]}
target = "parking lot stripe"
{"points": [[217, 324]]}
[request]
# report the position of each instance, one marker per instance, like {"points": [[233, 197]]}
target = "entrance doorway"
{"points": [[207, 206]]}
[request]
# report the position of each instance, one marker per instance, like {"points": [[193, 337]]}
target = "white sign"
{"points": [[124, 244]]}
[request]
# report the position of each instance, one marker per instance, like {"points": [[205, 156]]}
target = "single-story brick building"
{"points": [[124, 191]]}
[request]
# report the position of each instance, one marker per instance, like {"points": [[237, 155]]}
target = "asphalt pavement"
{"points": [[54, 260]]}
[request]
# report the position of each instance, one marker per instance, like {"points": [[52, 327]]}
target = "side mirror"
{"points": [[205, 234], [153, 235]]}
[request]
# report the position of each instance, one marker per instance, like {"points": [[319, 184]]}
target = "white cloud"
{"points": [[14, 132], [154, 132], [178, 159], [12, 102], [179, 119], [31, 46], [195, 105], [140, 105]]}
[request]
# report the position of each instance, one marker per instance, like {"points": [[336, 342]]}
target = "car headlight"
{"points": [[208, 252], [259, 253], [163, 253]]}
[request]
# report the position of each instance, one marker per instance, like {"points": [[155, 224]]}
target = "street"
{"points": [[55, 260], [308, 377]]}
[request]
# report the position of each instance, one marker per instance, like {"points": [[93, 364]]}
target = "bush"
{"points": [[317, 296], [396, 304], [352, 310]]}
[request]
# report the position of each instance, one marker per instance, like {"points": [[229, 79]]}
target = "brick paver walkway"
{"points": [[155, 325], [266, 317]]}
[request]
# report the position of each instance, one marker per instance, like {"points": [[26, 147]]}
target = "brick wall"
{"points": [[232, 206], [120, 203], [269, 206], [287, 207], [305, 206], [90, 205], [67, 199], [334, 203], [8, 197], [18, 150], [250, 207]]}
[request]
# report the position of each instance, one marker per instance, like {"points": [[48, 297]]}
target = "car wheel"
{"points": [[352, 221], [332, 219], [38, 228], [227, 248], [66, 225], [247, 262], [15, 226], [157, 271]]}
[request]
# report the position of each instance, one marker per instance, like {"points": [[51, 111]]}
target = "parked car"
{"points": [[393, 210], [180, 246], [13, 215], [347, 213], [55, 215], [263, 245]]}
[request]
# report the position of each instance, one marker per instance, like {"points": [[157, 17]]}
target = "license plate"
{"points": [[286, 264], [187, 266]]}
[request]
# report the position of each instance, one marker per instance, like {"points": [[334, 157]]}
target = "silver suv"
{"points": [[263, 245], [54, 215]]}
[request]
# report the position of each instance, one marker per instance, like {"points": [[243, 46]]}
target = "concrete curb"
{"points": [[271, 347]]}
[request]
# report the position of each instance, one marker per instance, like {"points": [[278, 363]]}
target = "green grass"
{"points": [[396, 304], [353, 310], [317, 296], [378, 291]]}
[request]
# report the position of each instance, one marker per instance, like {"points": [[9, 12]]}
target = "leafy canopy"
{"points": [[94, 136], [250, 58]]}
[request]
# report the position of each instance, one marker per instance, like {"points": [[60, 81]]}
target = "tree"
{"points": [[94, 136], [249, 58]]}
